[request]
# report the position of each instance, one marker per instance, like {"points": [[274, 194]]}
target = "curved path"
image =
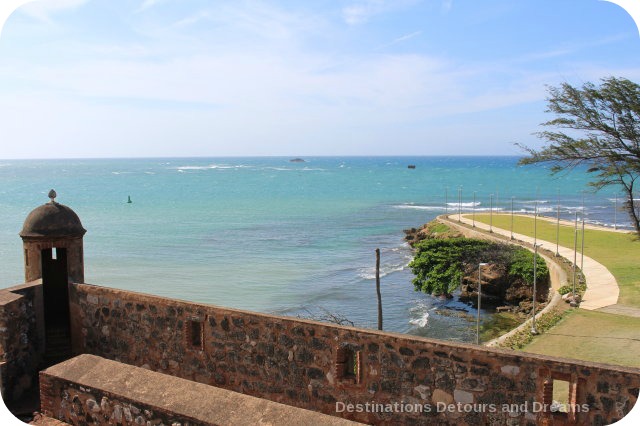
{"points": [[602, 287]]}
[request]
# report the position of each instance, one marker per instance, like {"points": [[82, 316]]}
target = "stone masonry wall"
{"points": [[79, 405], [21, 344], [325, 367], [92, 390]]}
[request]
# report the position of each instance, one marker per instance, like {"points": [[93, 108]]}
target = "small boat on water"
{"points": [[297, 160], [411, 166]]}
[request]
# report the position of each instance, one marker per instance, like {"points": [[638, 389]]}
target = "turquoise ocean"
{"points": [[275, 236]]}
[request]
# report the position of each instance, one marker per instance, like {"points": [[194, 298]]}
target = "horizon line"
{"points": [[266, 156]]}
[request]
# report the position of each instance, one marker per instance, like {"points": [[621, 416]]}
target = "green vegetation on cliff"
{"points": [[440, 265]]}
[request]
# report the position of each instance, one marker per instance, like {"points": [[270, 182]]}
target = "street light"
{"points": [[615, 213], [535, 224], [582, 242], [459, 201], [446, 200], [473, 215], [512, 217], [558, 226], [573, 303], [490, 212], [534, 331], [480, 265]]}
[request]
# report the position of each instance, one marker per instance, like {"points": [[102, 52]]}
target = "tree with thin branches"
{"points": [[596, 126]]}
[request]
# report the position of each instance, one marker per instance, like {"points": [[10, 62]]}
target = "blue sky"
{"points": [[112, 78]]}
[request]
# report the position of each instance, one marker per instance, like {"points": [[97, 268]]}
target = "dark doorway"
{"points": [[56, 305]]}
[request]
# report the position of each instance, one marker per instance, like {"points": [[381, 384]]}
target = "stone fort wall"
{"points": [[21, 337], [324, 367]]}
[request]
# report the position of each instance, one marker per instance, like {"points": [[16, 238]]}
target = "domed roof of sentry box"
{"points": [[52, 220]]}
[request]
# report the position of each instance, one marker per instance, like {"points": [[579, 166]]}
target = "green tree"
{"points": [[439, 263], [596, 126]]}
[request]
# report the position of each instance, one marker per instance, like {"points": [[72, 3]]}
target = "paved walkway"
{"points": [[602, 287]]}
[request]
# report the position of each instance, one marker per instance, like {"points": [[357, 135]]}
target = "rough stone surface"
{"points": [[69, 392], [511, 370], [52, 220], [463, 397], [251, 353], [21, 344], [441, 397]]}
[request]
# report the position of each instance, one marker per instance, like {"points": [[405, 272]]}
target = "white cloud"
{"points": [[147, 4], [249, 71], [362, 11], [400, 39], [43, 10], [447, 5]]}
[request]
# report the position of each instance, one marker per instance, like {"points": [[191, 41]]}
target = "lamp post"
{"points": [[534, 331], [473, 214], [582, 238], [512, 218], [459, 202], [558, 226], [446, 200], [480, 265], [615, 213], [490, 212], [582, 243], [573, 303], [535, 224]]}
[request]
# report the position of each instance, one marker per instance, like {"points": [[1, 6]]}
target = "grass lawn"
{"points": [[618, 252], [592, 336]]}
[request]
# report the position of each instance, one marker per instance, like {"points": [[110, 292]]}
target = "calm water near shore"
{"points": [[274, 236]]}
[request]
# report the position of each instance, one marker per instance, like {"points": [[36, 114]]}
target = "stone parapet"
{"points": [[363, 375], [93, 390], [21, 338]]}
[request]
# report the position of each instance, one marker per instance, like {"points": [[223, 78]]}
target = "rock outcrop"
{"points": [[499, 287]]}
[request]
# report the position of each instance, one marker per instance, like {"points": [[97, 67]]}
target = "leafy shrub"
{"points": [[522, 266], [580, 288], [438, 264]]}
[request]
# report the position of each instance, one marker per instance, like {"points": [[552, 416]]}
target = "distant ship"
{"points": [[411, 166], [297, 160]]}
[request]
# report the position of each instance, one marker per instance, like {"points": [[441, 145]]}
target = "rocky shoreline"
{"points": [[500, 289]]}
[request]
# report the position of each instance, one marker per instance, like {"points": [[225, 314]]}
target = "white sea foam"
{"points": [[411, 206], [398, 264], [546, 209], [465, 204], [422, 321], [534, 201], [211, 167], [452, 208], [421, 310], [294, 169], [370, 273]]}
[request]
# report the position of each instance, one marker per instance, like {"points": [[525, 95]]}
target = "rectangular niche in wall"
{"points": [[348, 365], [195, 334]]}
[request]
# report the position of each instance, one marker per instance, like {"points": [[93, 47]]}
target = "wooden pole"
{"points": [[378, 289]]}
